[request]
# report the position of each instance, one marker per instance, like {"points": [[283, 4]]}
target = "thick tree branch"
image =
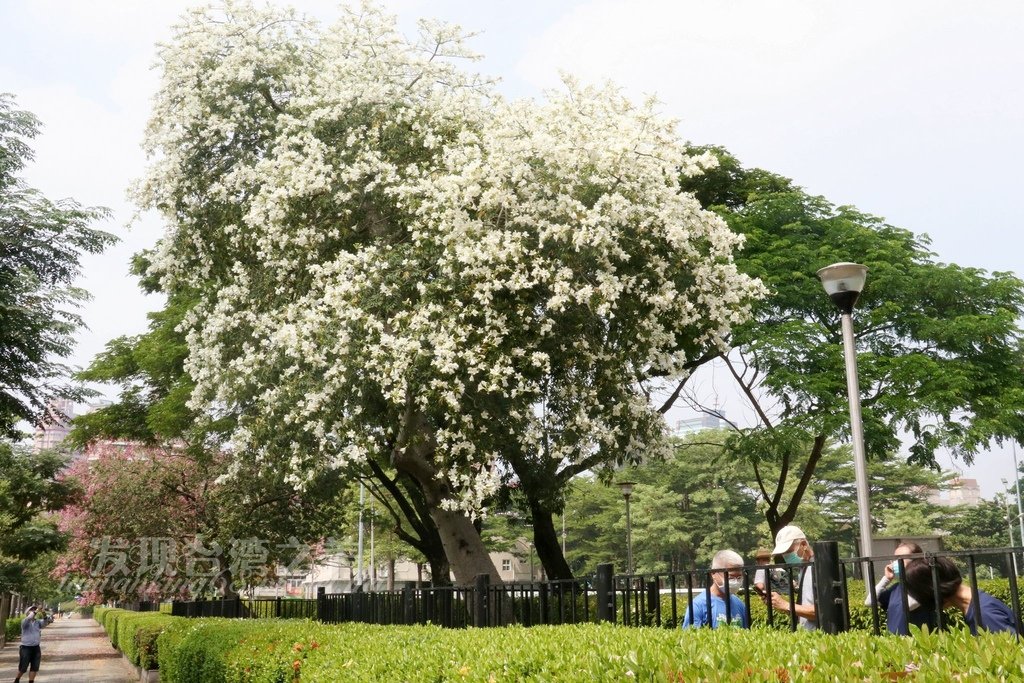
{"points": [[805, 478]]}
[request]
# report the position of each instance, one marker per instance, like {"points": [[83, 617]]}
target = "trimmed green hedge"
{"points": [[134, 633], [12, 629], [259, 651], [137, 634]]}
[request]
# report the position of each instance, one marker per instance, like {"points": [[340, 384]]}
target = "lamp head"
{"points": [[626, 487], [843, 282]]}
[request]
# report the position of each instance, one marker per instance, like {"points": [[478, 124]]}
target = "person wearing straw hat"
{"points": [[792, 544]]}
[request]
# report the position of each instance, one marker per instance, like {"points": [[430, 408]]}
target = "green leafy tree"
{"points": [[595, 525], [683, 510], [41, 244], [31, 490], [941, 356], [985, 525]]}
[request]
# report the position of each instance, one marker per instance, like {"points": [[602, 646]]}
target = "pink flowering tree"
{"points": [[155, 522]]}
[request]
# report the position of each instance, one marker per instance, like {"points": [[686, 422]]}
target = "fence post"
{"points": [[238, 606], [408, 604], [828, 592], [277, 607], [321, 603], [605, 594], [653, 615], [480, 596], [544, 616]]}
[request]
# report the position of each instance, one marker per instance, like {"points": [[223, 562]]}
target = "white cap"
{"points": [[784, 539]]}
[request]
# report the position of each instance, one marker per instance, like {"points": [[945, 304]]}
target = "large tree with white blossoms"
{"points": [[394, 263]]}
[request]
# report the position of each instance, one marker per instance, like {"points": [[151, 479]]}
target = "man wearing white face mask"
{"points": [[792, 544], [726, 580]]}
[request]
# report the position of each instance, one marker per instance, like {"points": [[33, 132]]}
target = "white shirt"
{"points": [[807, 597]]}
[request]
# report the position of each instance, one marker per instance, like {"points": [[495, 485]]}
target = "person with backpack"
{"points": [[726, 578]]}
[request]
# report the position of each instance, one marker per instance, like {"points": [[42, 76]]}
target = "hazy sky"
{"points": [[908, 110]]}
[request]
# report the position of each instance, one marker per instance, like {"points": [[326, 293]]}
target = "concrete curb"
{"points": [[145, 675]]}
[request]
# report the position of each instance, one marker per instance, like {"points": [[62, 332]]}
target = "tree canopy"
{"points": [[30, 488], [393, 262], [41, 244], [940, 346]]}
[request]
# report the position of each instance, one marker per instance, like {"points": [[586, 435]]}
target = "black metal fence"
{"points": [[141, 606], [661, 599], [242, 608]]}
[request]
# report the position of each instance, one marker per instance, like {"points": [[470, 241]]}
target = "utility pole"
{"points": [[373, 562], [1016, 480], [359, 551]]}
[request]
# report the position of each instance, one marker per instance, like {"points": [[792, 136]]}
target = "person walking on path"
{"points": [[77, 651], [29, 654]]}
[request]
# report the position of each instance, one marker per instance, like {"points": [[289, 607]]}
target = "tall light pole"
{"points": [[843, 283], [1016, 479], [563, 533], [1009, 527], [359, 547], [627, 490]]}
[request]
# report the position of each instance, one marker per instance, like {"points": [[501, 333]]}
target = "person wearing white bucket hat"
{"points": [[792, 544]]}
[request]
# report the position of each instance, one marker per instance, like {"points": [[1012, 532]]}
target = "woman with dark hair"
{"points": [[890, 598], [990, 614]]}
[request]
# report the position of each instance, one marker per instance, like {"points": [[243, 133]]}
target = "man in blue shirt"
{"points": [[726, 582], [990, 614]]}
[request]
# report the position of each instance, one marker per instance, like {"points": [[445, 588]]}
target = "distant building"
{"points": [[55, 426], [699, 424], [960, 491], [338, 574]]}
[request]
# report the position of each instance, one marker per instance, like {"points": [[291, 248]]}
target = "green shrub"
{"points": [[165, 608], [12, 629], [264, 651], [137, 634], [86, 611], [196, 649], [108, 619]]}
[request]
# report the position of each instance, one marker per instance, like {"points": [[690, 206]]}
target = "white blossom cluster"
{"points": [[373, 233]]}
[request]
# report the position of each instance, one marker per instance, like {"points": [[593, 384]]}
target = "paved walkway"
{"points": [[75, 650]]}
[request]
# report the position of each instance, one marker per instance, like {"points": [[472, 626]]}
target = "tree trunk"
{"points": [[5, 613], [410, 504], [391, 574], [777, 518], [413, 455], [545, 539], [224, 581], [465, 550]]}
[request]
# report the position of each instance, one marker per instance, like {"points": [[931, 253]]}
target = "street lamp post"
{"points": [[843, 283], [627, 490], [1016, 479], [1009, 527]]}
